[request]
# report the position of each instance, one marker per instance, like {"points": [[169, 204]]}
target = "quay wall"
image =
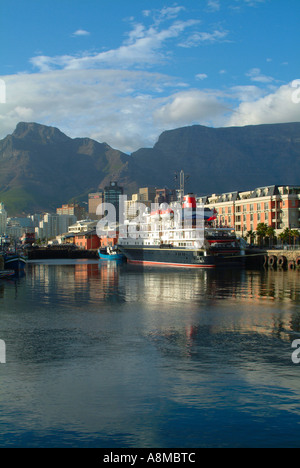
{"points": [[52, 253], [289, 258]]}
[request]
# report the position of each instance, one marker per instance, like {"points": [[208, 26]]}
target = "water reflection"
{"points": [[256, 301], [103, 354]]}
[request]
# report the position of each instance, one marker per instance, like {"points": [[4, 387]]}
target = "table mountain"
{"points": [[41, 167], [222, 159]]}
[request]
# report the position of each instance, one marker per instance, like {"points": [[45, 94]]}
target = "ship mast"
{"points": [[182, 179]]}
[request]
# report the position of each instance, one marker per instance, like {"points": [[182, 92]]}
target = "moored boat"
{"points": [[110, 254], [14, 261], [187, 238]]}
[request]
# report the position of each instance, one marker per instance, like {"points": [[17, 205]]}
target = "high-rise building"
{"points": [[53, 225], [95, 199], [3, 219], [111, 195]]}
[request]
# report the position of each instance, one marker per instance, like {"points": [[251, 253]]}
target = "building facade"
{"points": [[72, 210], [95, 199], [53, 225], [277, 206]]}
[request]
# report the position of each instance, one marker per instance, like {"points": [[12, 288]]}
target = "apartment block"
{"points": [[146, 196], [53, 225], [72, 210], [276, 206]]}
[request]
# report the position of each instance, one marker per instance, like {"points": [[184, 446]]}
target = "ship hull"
{"points": [[178, 258], [14, 262]]}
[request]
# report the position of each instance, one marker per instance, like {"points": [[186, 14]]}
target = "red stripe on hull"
{"points": [[141, 262]]}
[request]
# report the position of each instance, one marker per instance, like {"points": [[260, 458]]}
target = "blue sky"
{"points": [[124, 71]]}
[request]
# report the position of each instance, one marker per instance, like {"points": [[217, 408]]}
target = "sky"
{"points": [[122, 72]]}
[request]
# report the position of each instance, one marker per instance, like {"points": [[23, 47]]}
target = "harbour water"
{"points": [[110, 355]]}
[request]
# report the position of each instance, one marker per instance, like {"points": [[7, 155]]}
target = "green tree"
{"points": [[295, 235], [251, 236], [261, 232], [271, 233]]}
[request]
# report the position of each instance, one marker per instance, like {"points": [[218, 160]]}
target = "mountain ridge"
{"points": [[42, 168]]}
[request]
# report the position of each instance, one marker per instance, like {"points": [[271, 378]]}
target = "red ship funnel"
{"points": [[189, 201]]}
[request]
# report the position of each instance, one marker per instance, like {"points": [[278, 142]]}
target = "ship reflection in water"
{"points": [[117, 356]]}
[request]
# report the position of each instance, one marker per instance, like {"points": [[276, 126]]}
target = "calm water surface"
{"points": [[106, 355]]}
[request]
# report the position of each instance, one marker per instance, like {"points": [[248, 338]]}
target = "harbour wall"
{"points": [[56, 253], [285, 258]]}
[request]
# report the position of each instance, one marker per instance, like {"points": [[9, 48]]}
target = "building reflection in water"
{"points": [[256, 301]]}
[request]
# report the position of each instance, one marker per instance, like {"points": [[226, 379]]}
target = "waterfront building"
{"points": [[3, 219], [277, 206], [83, 225], [87, 240]]}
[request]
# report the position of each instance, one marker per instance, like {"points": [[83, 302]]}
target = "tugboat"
{"points": [[184, 237]]}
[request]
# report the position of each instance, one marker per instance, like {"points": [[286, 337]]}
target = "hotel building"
{"points": [[276, 206]]}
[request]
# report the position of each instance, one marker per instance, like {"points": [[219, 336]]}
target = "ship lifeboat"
{"points": [[167, 213], [155, 214]]}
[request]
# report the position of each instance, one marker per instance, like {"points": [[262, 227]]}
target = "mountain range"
{"points": [[41, 168]]}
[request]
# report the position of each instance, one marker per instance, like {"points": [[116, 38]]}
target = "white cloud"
{"points": [[81, 32], [200, 37], [213, 5], [189, 107], [142, 47], [277, 107], [110, 105], [201, 76], [255, 75]]}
